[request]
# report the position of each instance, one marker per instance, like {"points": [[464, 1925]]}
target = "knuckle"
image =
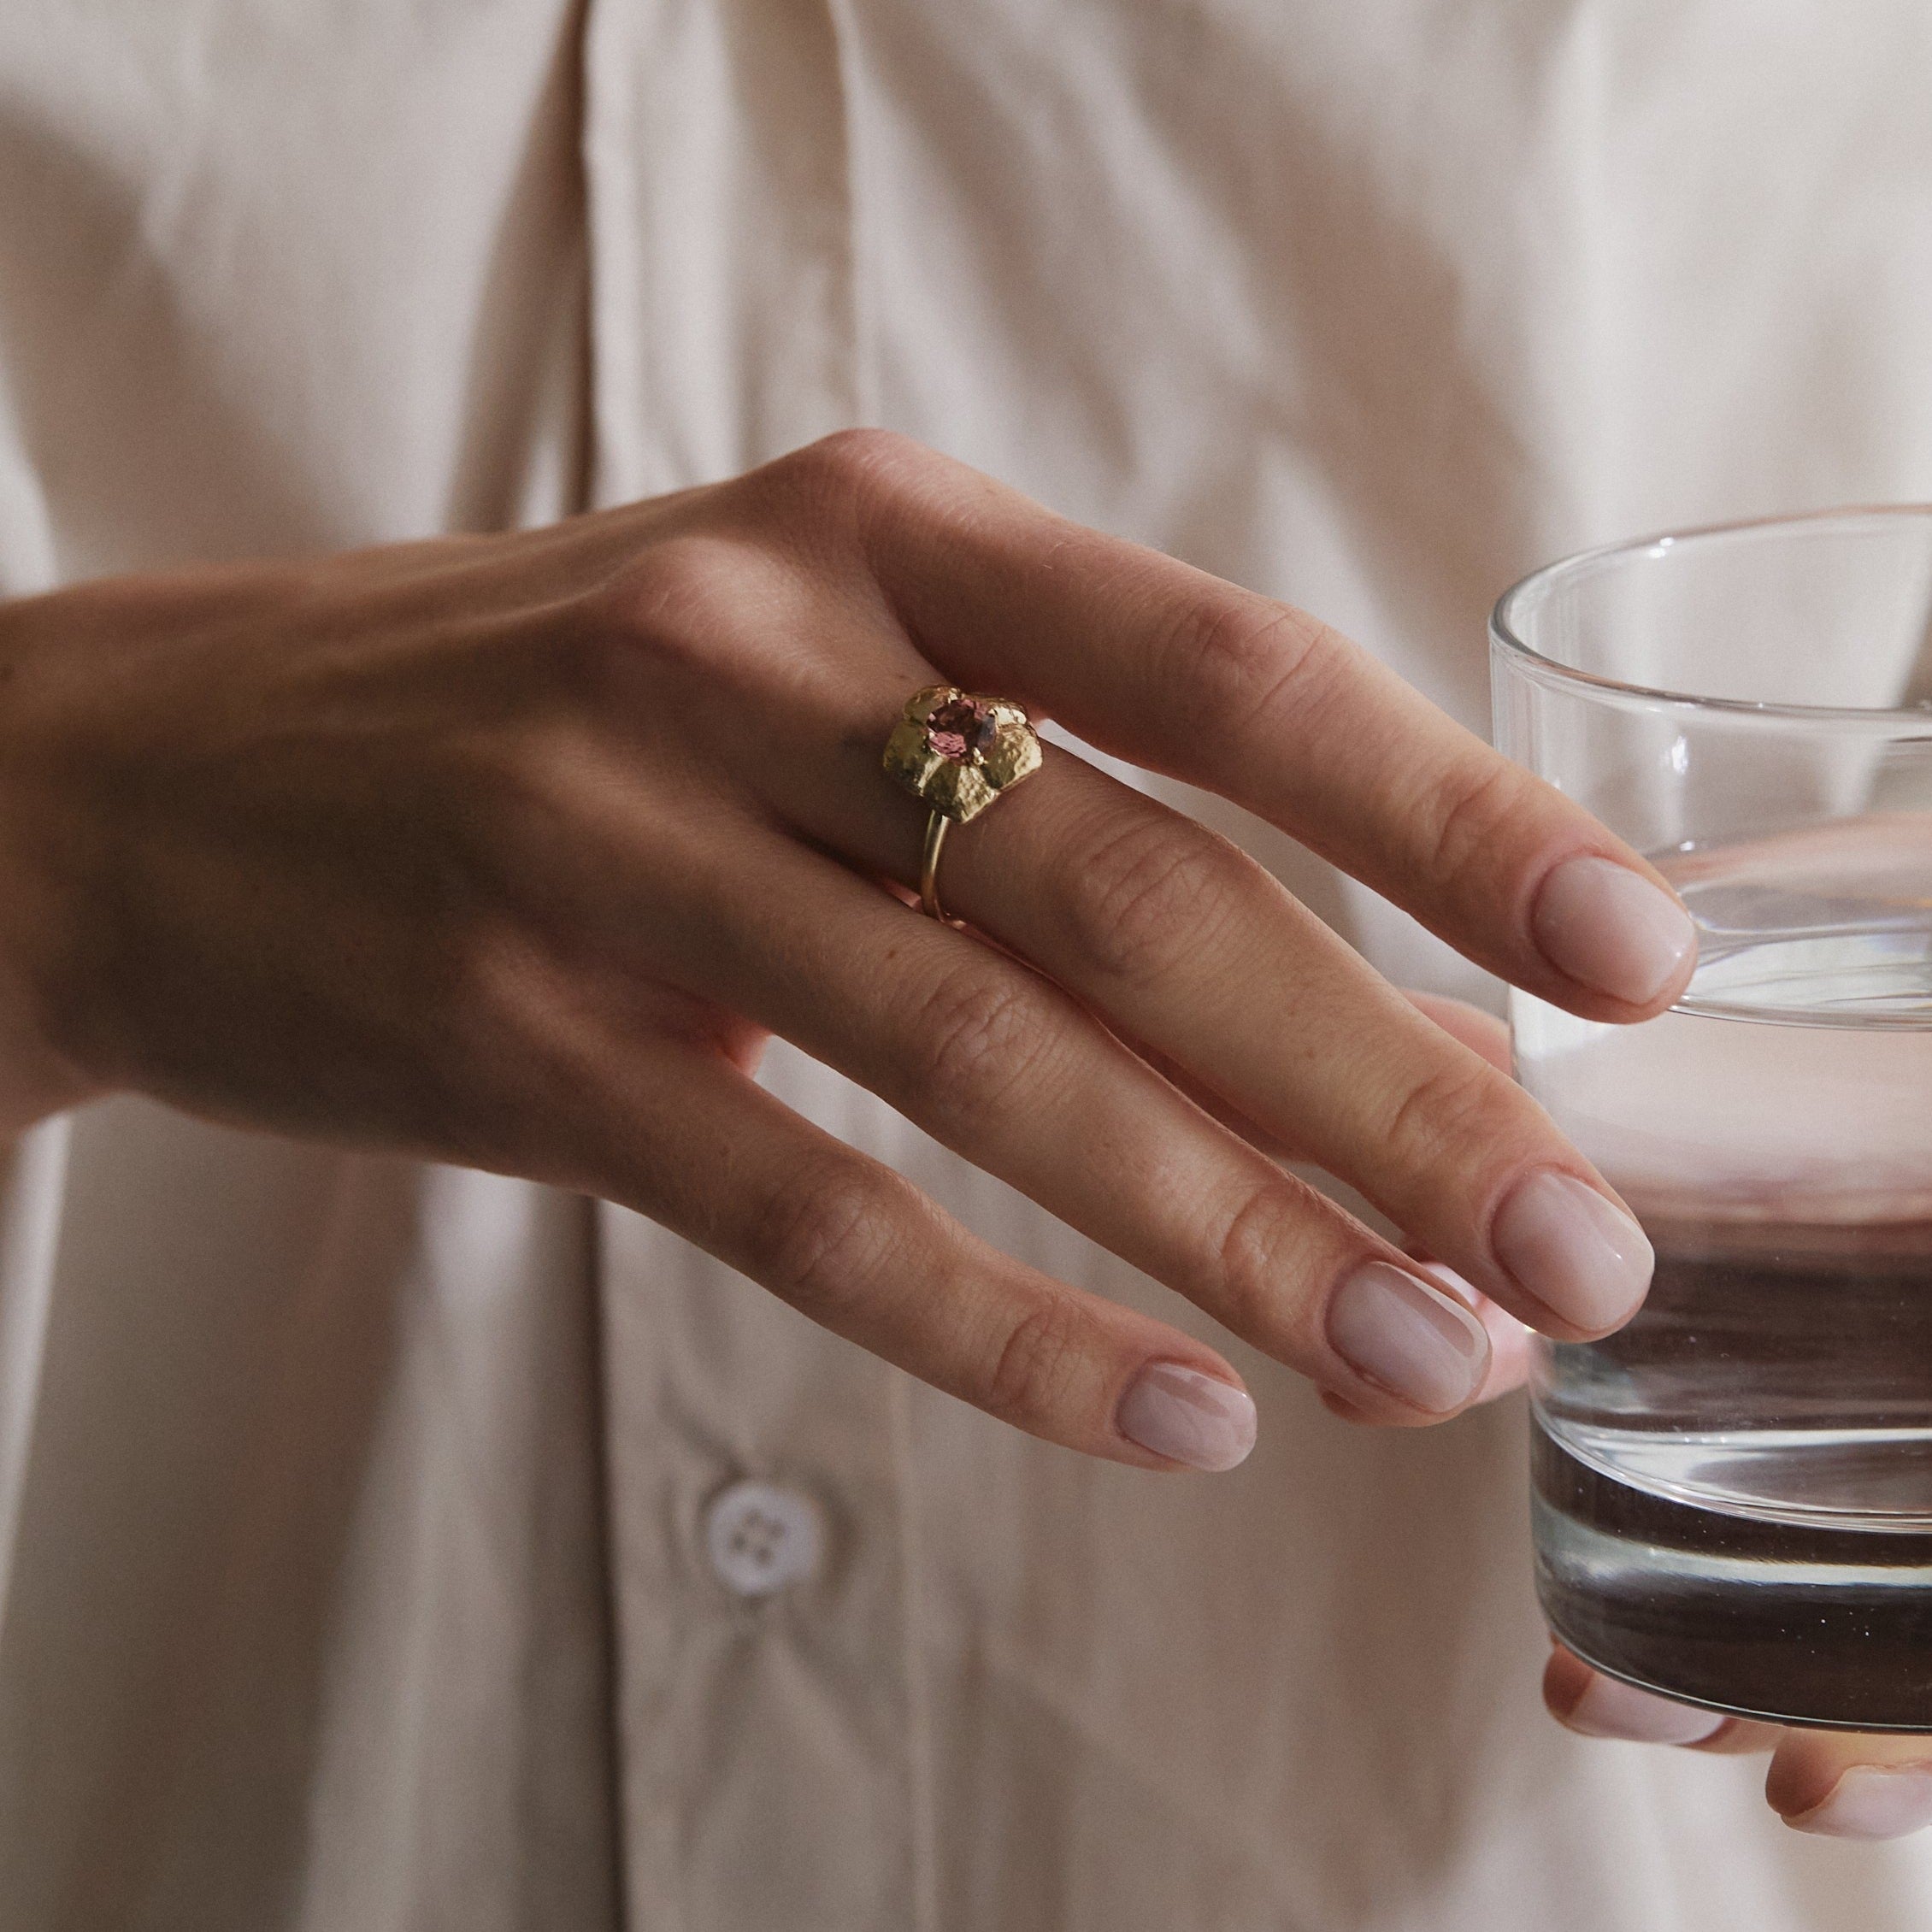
{"points": [[1461, 815], [829, 1237], [687, 611], [675, 591], [1157, 890], [859, 453], [840, 475], [1248, 658], [1262, 1254], [1038, 1370], [1440, 1113], [984, 1039]]}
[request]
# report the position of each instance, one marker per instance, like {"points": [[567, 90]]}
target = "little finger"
{"points": [[857, 1248]]}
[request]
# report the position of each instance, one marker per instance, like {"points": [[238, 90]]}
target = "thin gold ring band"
{"points": [[936, 824], [956, 751]]}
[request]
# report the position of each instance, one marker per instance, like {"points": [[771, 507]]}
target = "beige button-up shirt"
{"points": [[386, 1548]]}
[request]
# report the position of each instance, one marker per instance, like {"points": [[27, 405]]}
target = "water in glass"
{"points": [[1734, 1495]]}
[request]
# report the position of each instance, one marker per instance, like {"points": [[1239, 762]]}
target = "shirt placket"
{"points": [[766, 1724]]}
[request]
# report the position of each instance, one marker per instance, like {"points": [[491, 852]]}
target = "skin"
{"points": [[513, 852], [1807, 1768]]}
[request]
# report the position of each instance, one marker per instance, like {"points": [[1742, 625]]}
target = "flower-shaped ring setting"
{"points": [[958, 751]]}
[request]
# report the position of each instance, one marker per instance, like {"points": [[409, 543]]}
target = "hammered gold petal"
{"points": [[961, 791], [910, 758], [1014, 754]]}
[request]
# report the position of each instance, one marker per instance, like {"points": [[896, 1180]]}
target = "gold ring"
{"points": [[958, 752]]}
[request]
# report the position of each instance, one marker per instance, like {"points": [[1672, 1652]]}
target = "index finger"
{"points": [[1186, 674]]}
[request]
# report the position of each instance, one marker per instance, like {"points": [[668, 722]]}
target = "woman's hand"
{"points": [[511, 851]]}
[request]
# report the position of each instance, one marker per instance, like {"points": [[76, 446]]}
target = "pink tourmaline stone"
{"points": [[961, 728]]}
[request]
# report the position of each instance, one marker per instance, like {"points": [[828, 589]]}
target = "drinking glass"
{"points": [[1732, 1496]]}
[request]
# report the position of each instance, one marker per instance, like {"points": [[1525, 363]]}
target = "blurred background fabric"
{"points": [[375, 1551]]}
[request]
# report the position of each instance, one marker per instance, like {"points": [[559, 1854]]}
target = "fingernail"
{"points": [[1607, 926], [1187, 1416], [1446, 1277], [1873, 1801], [1609, 1708], [1566, 1245], [1403, 1335]]}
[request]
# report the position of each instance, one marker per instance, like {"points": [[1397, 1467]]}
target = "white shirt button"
{"points": [[764, 1536]]}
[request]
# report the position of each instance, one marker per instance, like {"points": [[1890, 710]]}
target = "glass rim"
{"points": [[1504, 632]]}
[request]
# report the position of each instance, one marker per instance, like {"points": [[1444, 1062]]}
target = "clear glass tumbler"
{"points": [[1733, 1496]]}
